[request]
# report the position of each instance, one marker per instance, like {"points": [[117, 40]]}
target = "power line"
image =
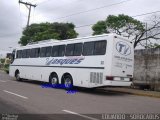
{"points": [[100, 8], [90, 10], [146, 14], [131, 16], [59, 6], [33, 15], [20, 16], [43, 2], [87, 25], [39, 4], [77, 13]]}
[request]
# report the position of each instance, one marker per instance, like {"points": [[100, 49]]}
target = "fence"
{"points": [[147, 68]]}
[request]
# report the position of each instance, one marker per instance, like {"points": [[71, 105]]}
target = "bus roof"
{"points": [[51, 41]]}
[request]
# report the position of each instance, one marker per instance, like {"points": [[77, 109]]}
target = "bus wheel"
{"points": [[53, 80], [18, 76], [68, 82]]}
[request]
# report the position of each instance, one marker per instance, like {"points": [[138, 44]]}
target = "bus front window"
{"points": [[12, 56]]}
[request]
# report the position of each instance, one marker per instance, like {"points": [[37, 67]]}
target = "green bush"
{"points": [[6, 66], [2, 61]]}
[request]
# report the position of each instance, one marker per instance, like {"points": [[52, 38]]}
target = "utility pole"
{"points": [[28, 5]]}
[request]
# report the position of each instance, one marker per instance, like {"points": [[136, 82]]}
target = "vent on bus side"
{"points": [[96, 77]]}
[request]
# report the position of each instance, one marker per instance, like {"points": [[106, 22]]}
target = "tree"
{"points": [[155, 45], [44, 31], [152, 32], [100, 28], [128, 27]]}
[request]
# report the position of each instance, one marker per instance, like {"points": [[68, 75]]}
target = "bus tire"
{"points": [[17, 75], [68, 82], [53, 80]]}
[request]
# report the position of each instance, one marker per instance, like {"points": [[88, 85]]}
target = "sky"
{"points": [[13, 16]]}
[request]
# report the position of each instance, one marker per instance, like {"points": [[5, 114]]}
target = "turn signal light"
{"points": [[109, 77]]}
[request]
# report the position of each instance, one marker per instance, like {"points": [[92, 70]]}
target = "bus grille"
{"points": [[96, 77]]}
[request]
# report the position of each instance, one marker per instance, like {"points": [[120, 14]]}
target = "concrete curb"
{"points": [[136, 92]]}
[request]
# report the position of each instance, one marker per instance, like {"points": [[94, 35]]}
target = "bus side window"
{"points": [[37, 52], [61, 50], [19, 54], [43, 52], [32, 53], [48, 51], [69, 50], [88, 48], [78, 49], [55, 51], [27, 53], [24, 52], [100, 47]]}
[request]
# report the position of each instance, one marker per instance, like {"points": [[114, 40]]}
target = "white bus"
{"points": [[95, 61]]}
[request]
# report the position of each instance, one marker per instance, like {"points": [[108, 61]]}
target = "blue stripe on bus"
{"points": [[60, 66]]}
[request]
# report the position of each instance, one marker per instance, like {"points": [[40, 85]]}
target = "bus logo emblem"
{"points": [[123, 48]]}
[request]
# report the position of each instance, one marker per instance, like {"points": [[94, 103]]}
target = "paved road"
{"points": [[29, 97]]}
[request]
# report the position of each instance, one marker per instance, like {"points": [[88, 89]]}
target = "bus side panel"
{"points": [[123, 58], [12, 71], [108, 57]]}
